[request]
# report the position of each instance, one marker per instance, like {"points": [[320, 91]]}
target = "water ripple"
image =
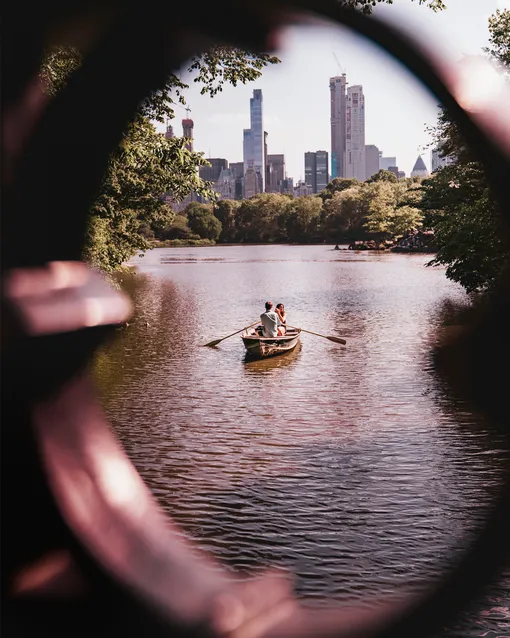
{"points": [[350, 466]]}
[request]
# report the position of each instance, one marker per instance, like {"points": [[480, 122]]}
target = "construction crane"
{"points": [[186, 108], [340, 67]]}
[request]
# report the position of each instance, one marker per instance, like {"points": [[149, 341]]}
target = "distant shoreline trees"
{"points": [[347, 210]]}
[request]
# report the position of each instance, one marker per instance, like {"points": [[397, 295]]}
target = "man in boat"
{"points": [[271, 323]]}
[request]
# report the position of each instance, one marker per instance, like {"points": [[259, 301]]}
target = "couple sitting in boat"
{"points": [[273, 321]]}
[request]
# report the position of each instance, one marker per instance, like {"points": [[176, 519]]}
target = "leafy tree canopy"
{"points": [[472, 237], [383, 176], [202, 222], [337, 185]]}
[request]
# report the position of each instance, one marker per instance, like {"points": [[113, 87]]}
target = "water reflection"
{"points": [[352, 465]]}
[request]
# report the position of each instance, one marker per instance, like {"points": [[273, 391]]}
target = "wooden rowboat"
{"points": [[259, 347]]}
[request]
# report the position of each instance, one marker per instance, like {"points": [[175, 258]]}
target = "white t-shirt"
{"points": [[270, 322]]}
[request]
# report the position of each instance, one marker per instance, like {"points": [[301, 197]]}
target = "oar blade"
{"points": [[337, 340], [211, 344]]}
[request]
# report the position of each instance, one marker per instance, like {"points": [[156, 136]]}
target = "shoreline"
{"points": [[342, 246]]}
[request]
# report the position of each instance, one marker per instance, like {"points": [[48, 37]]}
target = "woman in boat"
{"points": [[280, 311]]}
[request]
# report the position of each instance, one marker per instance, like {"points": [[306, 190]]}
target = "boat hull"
{"points": [[261, 347]]}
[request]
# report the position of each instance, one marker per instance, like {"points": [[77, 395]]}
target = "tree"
{"points": [[473, 239], [178, 229], [225, 211], [343, 214], [367, 5], [202, 222], [499, 40], [262, 218], [383, 176], [145, 166], [303, 216], [388, 215], [337, 185]]}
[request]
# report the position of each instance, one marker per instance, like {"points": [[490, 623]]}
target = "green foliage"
{"points": [[178, 229], [177, 243], [262, 218], [383, 209], [499, 40], [344, 214], [389, 211], [472, 238], [302, 219], [59, 63], [129, 204], [367, 5], [225, 210], [202, 221], [224, 64], [383, 176], [394, 222], [337, 185]]}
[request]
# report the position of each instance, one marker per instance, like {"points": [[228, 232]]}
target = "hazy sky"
{"points": [[296, 92]]}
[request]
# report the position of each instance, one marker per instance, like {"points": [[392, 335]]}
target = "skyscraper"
{"points": [[257, 127], [187, 131], [355, 134], [419, 170], [277, 172], [322, 170], [237, 169], [316, 170], [267, 168], [211, 173], [311, 171], [251, 183], [247, 149], [253, 143], [337, 87], [386, 162], [169, 133], [287, 186], [225, 185], [372, 155], [302, 189]]}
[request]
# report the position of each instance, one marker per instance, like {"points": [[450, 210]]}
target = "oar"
{"points": [[217, 341], [331, 338]]}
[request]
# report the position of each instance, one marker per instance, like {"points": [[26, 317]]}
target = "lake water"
{"points": [[348, 465]]}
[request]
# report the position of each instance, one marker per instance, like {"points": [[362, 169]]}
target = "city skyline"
{"points": [[254, 155], [261, 171], [297, 109], [355, 133], [338, 104]]}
